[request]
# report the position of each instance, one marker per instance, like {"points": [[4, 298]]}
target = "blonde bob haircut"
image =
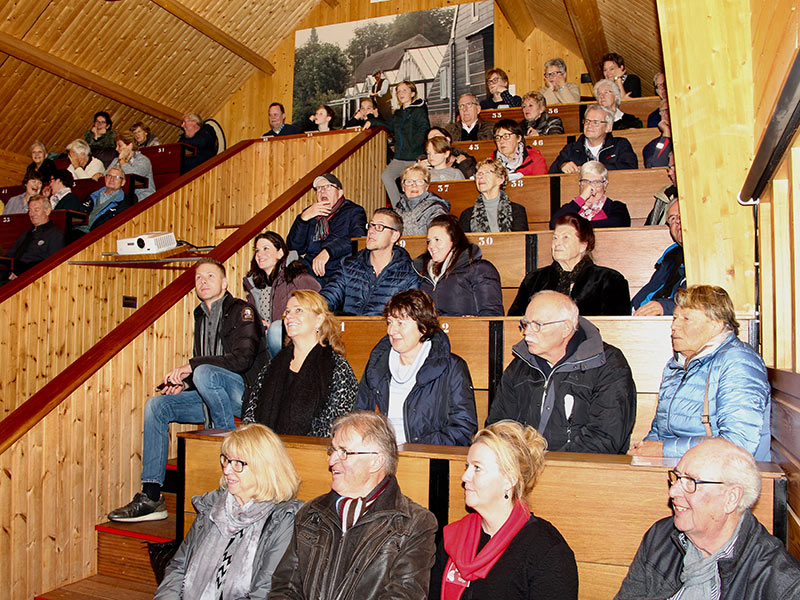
{"points": [[712, 300], [439, 144], [266, 456], [330, 332], [418, 168], [497, 168], [520, 453]]}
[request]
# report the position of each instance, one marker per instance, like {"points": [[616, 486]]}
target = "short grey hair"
{"points": [[471, 95], [556, 62], [612, 85], [372, 427], [608, 114], [79, 147], [656, 76], [739, 468], [194, 117], [38, 144], [594, 167]]}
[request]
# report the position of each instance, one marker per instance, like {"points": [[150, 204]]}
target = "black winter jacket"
{"points": [[759, 567], [616, 153], [440, 408], [595, 378]]}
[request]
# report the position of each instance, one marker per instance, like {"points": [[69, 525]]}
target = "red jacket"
{"points": [[533, 164]]}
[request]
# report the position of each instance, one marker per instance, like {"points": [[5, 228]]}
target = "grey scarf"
{"points": [[513, 163], [700, 575], [479, 223], [212, 345]]}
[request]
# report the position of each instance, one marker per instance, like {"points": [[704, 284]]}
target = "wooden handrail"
{"points": [[35, 408]]}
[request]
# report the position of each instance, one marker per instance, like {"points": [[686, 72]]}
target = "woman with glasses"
{"points": [[309, 382], [536, 121], [131, 161], [417, 206], [596, 290], [592, 203], [424, 390], [609, 95], [557, 90], [101, 138], [243, 528], [493, 211], [270, 281], [501, 549], [513, 154], [498, 95]]}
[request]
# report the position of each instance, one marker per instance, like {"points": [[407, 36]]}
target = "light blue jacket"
{"points": [[738, 399]]}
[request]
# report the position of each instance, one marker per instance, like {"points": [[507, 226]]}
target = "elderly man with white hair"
{"points": [[82, 164], [712, 547], [575, 389], [200, 135], [609, 95]]}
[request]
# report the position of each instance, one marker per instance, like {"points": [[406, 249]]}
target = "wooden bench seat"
{"points": [[13, 226], [168, 161]]}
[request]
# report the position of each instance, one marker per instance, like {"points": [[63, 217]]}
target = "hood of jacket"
{"points": [[436, 363], [588, 355], [462, 262]]}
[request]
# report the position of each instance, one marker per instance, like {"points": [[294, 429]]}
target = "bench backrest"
{"points": [[13, 226], [168, 161]]}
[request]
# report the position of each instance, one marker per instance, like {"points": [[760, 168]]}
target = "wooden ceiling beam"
{"points": [[60, 68], [585, 18], [216, 34], [519, 15]]}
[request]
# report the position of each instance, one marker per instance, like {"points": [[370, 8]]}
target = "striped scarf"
{"points": [[352, 509]]}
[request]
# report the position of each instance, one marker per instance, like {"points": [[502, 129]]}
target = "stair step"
{"points": [[102, 587]]}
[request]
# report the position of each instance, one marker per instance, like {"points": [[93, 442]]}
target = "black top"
{"points": [[538, 563], [627, 121], [633, 85]]}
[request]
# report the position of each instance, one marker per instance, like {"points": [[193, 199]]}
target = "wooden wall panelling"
{"points": [[793, 318], [782, 262], [12, 167], [767, 278]]}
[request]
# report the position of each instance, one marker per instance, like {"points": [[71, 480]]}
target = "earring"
{"points": [[506, 495]]}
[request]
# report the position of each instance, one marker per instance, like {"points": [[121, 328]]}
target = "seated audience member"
{"points": [[389, 547], [309, 382], [657, 297], [608, 95], [381, 93], [592, 203], [367, 280], [322, 119], [596, 290], [40, 163], [660, 87], [459, 159], [535, 120], [557, 90], [502, 550], [200, 135], [101, 138], [456, 276], [247, 522], [712, 547], [412, 377], [321, 234], [272, 277], [498, 95], [565, 381], [18, 204], [277, 122], [417, 206], [41, 241], [107, 202], [664, 197], [226, 359], [493, 212], [133, 162], [439, 154], [657, 151], [714, 385], [469, 126], [62, 197], [511, 150], [596, 143], [613, 67], [144, 138], [82, 164], [408, 125], [366, 109]]}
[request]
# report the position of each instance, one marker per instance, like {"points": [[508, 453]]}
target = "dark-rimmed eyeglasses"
{"points": [[503, 136], [535, 326], [689, 484], [379, 227], [342, 454], [236, 464]]}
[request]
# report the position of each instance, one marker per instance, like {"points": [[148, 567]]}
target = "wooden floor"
{"points": [[102, 587]]}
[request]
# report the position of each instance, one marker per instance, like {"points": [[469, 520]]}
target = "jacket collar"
{"points": [[730, 564], [588, 355], [707, 353]]}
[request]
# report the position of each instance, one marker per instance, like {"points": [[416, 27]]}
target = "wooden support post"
{"points": [[585, 18]]}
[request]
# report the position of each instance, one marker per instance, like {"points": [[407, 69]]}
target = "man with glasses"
{"points": [[367, 280], [469, 126], [557, 90], [364, 539], [596, 143], [321, 234], [565, 381], [108, 201], [712, 547]]}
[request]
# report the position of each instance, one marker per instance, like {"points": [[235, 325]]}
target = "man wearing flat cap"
{"points": [[321, 234]]}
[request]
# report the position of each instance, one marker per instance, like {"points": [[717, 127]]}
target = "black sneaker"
{"points": [[141, 508]]}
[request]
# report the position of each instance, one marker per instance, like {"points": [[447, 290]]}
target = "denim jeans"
{"points": [[219, 389], [275, 337]]}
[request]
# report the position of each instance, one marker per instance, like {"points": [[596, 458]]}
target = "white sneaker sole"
{"points": [[159, 515]]}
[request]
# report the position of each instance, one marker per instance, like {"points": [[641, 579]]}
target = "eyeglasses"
{"points": [[689, 484], [379, 227], [414, 182], [593, 183], [495, 79], [342, 454], [467, 105], [553, 74], [236, 464], [325, 187], [535, 326], [595, 122], [503, 136], [114, 177], [100, 121]]}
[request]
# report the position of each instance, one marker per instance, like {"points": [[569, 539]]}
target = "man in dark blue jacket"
{"points": [[367, 280], [321, 234]]}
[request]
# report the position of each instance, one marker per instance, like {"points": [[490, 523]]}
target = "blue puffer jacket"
{"points": [[738, 401], [440, 408], [355, 290]]}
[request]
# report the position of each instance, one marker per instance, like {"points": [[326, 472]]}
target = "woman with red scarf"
{"points": [[502, 550]]}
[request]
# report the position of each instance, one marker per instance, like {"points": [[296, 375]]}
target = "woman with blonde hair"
{"points": [[502, 550], [309, 382], [247, 522]]}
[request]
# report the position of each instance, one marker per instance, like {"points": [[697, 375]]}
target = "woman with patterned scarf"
{"points": [[513, 153], [592, 204], [502, 550], [493, 211]]}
